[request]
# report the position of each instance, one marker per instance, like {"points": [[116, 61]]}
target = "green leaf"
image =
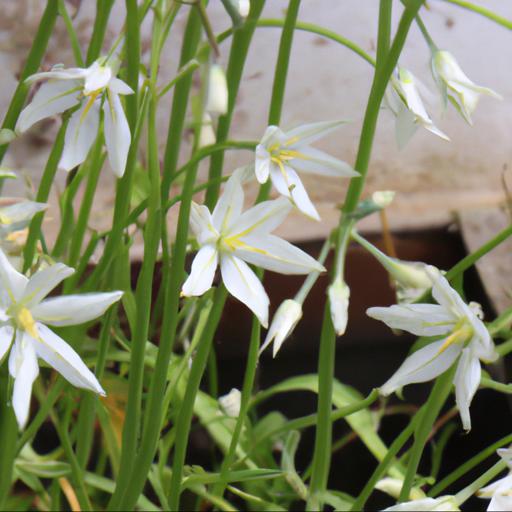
{"points": [[44, 469], [245, 475]]}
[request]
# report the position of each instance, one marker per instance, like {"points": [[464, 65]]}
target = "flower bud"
{"points": [[217, 100], [231, 403], [339, 294], [6, 136], [207, 134], [285, 319], [454, 84], [383, 198], [244, 7]]}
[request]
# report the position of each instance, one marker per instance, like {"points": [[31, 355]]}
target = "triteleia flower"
{"points": [[285, 319], [404, 100], [233, 239], [339, 294], [281, 155], [456, 86], [500, 491], [467, 342], [231, 403], [24, 313], [443, 503], [87, 87]]}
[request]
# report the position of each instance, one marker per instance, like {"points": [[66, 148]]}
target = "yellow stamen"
{"points": [[234, 242], [92, 98], [291, 141], [458, 336], [4, 219], [27, 322]]}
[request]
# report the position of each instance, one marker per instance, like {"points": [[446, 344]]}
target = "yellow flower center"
{"points": [[462, 333], [26, 322]]}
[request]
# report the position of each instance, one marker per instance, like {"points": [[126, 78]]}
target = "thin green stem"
{"points": [[73, 38], [35, 56], [103, 8], [42, 195], [500, 20], [187, 69]]}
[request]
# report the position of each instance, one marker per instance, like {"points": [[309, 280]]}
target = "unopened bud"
{"points": [[217, 101], [339, 294]]}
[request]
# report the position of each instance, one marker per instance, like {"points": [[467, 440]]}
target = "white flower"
{"points": [[393, 487], [467, 342], [280, 155], [217, 97], [456, 86], [404, 100], [232, 238], [231, 403], [89, 88], [24, 311], [443, 503], [500, 491], [339, 294], [285, 319]]}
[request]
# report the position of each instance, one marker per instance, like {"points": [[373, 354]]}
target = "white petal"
{"points": [[58, 354], [81, 132], [97, 78], [261, 218], [60, 74], [74, 309], [405, 126], [262, 163], [217, 100], [424, 365], [308, 133], [17, 216], [500, 503], [321, 163], [117, 86], [25, 370], [291, 186], [52, 98], [243, 284], [6, 337], [419, 319], [201, 223], [117, 134], [467, 380], [273, 253], [43, 282], [272, 135], [228, 209], [503, 484], [202, 272], [10, 279]]}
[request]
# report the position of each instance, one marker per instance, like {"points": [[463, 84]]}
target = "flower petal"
{"points": [[202, 273], [467, 380], [43, 282], [58, 354], [18, 215], [262, 163], [201, 223], [405, 126], [117, 133], [24, 368], [117, 86], [81, 132], [311, 132], [74, 309], [11, 280], [97, 78], [273, 253], [290, 185], [243, 284], [425, 364], [318, 162], [51, 98], [60, 74], [228, 209], [261, 218], [419, 319]]}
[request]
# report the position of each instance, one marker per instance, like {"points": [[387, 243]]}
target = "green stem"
{"points": [[480, 482], [73, 39], [426, 420], [237, 58], [42, 195], [482, 11], [132, 51], [426, 34], [468, 466], [187, 407], [103, 8], [9, 434], [34, 59]]}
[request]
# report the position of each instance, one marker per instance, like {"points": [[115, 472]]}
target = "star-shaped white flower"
{"points": [[281, 155], [24, 311], [443, 503], [500, 491], [404, 100], [233, 239], [456, 86], [467, 342], [89, 88]]}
